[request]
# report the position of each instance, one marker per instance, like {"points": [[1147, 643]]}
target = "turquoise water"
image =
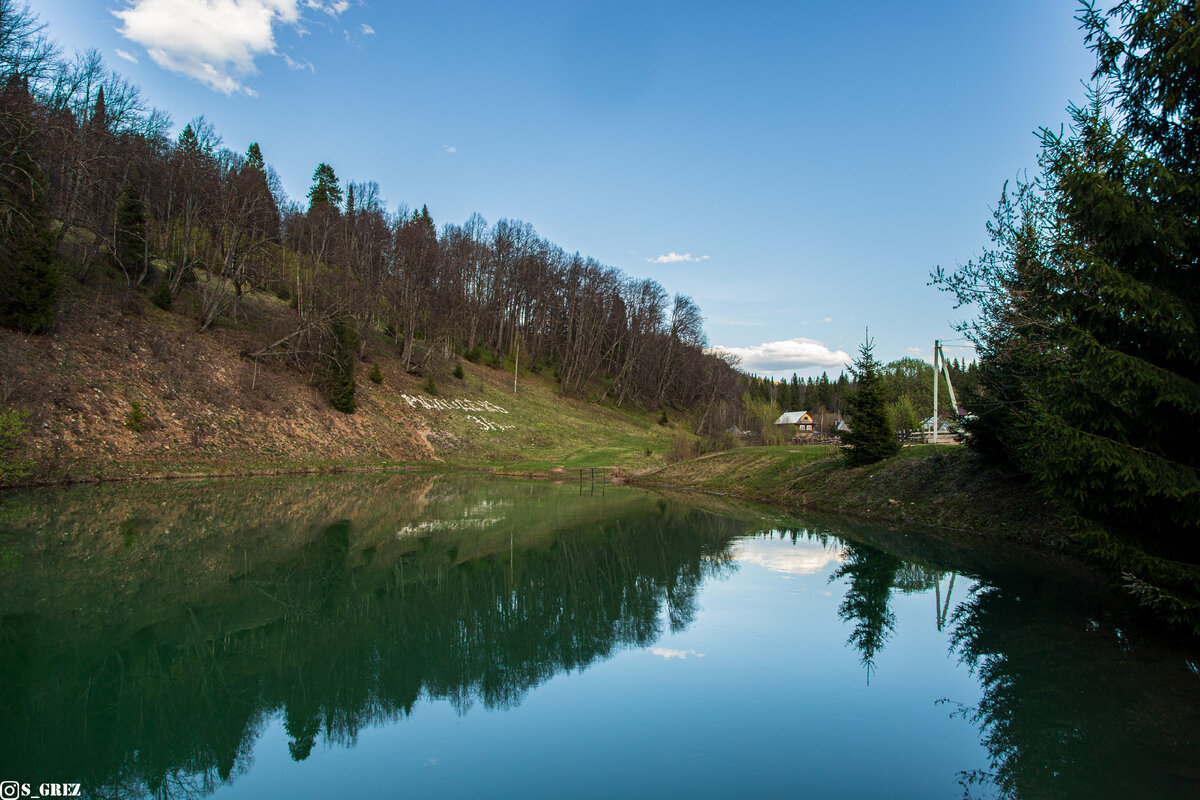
{"points": [[453, 636]]}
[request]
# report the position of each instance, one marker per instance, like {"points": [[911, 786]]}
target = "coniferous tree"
{"points": [[254, 157], [100, 111], [326, 189], [129, 241], [339, 383], [871, 437], [1089, 332], [28, 273]]}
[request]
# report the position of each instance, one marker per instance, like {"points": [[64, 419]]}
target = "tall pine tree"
{"points": [[870, 438], [1090, 327]]}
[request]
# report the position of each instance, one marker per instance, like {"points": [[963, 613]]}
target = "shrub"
{"points": [[161, 295], [13, 427], [663, 420], [135, 420], [431, 385], [458, 371], [375, 375], [683, 447]]}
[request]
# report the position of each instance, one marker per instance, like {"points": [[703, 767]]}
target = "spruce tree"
{"points": [[871, 437], [338, 382], [326, 189], [1089, 334], [28, 273], [130, 235], [254, 157]]}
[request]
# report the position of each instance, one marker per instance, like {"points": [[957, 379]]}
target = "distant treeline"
{"points": [[94, 187], [908, 386]]}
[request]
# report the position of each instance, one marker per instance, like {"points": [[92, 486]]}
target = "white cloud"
{"points": [[827, 319], [801, 558], [332, 9], [127, 56], [914, 351], [294, 64], [367, 30], [446, 148], [214, 41], [673, 257], [668, 653], [787, 356]]}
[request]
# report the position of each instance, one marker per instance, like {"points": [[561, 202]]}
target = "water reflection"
{"points": [[149, 636], [1081, 696], [164, 688], [870, 575]]}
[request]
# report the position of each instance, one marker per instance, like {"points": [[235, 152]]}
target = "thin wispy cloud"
{"points": [[332, 9], [127, 56], [914, 351], [446, 148], [298, 65], [215, 42], [788, 356], [827, 319], [674, 258], [367, 30]]}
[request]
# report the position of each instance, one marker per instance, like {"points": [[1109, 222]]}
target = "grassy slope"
{"points": [[945, 486], [210, 410]]}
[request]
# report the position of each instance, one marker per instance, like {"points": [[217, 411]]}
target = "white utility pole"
{"points": [[937, 349]]}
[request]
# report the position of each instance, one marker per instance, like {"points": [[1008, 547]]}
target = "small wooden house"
{"points": [[800, 419]]}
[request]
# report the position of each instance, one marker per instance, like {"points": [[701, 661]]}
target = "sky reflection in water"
{"points": [[452, 636]]}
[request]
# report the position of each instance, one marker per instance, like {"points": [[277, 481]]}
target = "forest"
{"points": [[94, 187]]}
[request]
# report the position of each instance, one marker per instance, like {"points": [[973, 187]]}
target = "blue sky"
{"points": [[797, 168]]}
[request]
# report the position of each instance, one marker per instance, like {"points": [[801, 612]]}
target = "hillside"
{"points": [[943, 486], [123, 389]]}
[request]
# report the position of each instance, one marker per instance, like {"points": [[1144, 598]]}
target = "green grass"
{"points": [[545, 431], [939, 485]]}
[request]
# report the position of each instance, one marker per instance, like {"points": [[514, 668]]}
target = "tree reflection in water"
{"points": [[1076, 704], [349, 630], [1081, 696], [870, 575], [146, 644]]}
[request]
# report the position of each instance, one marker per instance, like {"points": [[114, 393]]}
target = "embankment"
{"points": [[944, 486]]}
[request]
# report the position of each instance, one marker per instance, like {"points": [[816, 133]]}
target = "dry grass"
{"points": [[212, 410]]}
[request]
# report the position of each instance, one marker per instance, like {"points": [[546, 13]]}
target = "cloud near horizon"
{"points": [[801, 558], [790, 355], [669, 653], [216, 41], [674, 258]]}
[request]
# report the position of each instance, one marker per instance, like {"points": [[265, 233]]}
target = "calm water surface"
{"points": [[454, 636]]}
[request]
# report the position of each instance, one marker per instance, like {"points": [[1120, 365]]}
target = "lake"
{"points": [[453, 635]]}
